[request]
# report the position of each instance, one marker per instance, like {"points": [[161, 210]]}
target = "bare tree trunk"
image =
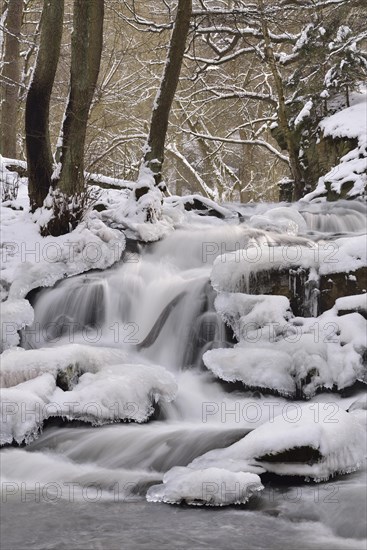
{"points": [[39, 154], [282, 112], [87, 42], [11, 79], [154, 155]]}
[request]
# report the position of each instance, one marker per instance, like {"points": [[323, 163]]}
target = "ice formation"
{"points": [[315, 441], [97, 389], [209, 487]]}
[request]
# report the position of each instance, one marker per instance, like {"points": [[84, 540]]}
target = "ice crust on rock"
{"points": [[19, 365], [281, 219], [231, 272], [208, 487], [285, 354], [14, 315], [268, 369], [245, 312], [24, 409], [100, 389], [119, 392], [337, 435]]}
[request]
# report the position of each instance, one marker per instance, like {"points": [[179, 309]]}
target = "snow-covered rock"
{"points": [[294, 357], [15, 315], [209, 487], [24, 409], [267, 369], [245, 313], [19, 365], [331, 441], [352, 168], [118, 392], [281, 219], [97, 388], [231, 271], [291, 356]]}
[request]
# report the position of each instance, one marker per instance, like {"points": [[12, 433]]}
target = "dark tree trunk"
{"points": [[87, 42], [39, 154], [289, 136], [154, 156], [10, 79]]}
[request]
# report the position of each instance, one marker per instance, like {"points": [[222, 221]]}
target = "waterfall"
{"points": [[159, 307]]}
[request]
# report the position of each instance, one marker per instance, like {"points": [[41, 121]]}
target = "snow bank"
{"points": [[30, 261], [245, 313], [209, 487], [38, 261], [336, 436]]}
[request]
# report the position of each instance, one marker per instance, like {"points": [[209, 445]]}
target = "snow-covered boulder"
{"points": [[349, 177], [99, 389], [19, 365], [266, 369], [24, 409], [287, 355], [119, 392], [209, 487], [315, 441], [281, 220], [15, 315]]}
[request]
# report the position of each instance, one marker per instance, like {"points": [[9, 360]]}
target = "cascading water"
{"points": [[159, 306], [340, 217]]}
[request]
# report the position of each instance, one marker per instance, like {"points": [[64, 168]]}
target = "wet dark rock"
{"points": [[67, 378], [336, 285], [197, 204], [303, 455], [292, 283], [308, 298], [100, 207]]}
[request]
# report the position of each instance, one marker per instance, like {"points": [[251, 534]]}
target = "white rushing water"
{"points": [[159, 306]]}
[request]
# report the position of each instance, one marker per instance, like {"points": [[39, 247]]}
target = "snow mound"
{"points": [[288, 356], [282, 220], [256, 368], [24, 409], [118, 392], [357, 302], [315, 441], [245, 312], [14, 315], [359, 404], [209, 487], [19, 365], [114, 393]]}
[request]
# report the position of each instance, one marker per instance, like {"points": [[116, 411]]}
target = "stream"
{"points": [[80, 486]]}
